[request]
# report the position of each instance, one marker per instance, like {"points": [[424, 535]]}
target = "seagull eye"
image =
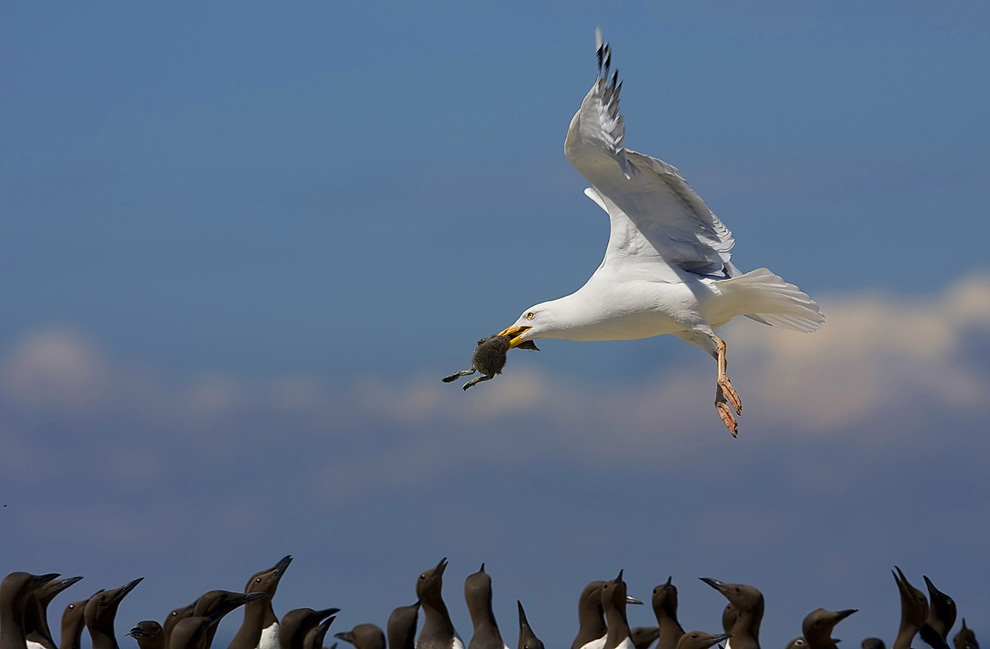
{"points": [[530, 315]]}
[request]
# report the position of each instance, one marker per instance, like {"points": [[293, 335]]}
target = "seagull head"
{"points": [[535, 322]]}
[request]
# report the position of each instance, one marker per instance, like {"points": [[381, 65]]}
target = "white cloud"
{"points": [[878, 363], [875, 353], [54, 367]]}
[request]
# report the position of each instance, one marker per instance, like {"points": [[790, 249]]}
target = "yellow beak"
{"points": [[514, 333]]}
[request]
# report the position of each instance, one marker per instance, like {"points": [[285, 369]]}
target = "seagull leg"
{"points": [[725, 394], [723, 379]]}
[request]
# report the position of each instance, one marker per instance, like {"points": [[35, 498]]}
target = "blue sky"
{"points": [[239, 245]]}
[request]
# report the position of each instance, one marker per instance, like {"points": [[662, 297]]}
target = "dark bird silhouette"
{"points": [[941, 617], [914, 611], [101, 609], [817, 627], [314, 637], [148, 634], [37, 632], [175, 616], [401, 627], [478, 596], [16, 591], [747, 604], [73, 623], [222, 602], [614, 600], [438, 631], [965, 639], [259, 630], [700, 640], [591, 618], [193, 632], [297, 623], [527, 638], [665, 608], [364, 636]]}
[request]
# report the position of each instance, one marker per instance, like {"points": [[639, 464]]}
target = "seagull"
{"points": [[666, 268]]}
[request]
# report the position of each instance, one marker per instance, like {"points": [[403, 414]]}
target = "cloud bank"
{"points": [[880, 361]]}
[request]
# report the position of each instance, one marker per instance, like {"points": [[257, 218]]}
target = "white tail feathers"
{"points": [[767, 298]]}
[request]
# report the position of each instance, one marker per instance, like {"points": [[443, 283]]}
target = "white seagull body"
{"points": [[666, 268]]}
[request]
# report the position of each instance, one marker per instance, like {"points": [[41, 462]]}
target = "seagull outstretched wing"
{"points": [[655, 215]]}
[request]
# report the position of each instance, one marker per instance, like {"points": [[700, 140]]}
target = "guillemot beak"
{"points": [[514, 334]]}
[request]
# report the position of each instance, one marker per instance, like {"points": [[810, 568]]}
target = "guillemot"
{"points": [[37, 632], [175, 616], [363, 636], [914, 611], [401, 627], [299, 622], [222, 602], [965, 639], [259, 630], [817, 627], [73, 623], [745, 615], [101, 609], [665, 610], [614, 600], [527, 638], [700, 640], [314, 637], [941, 617], [591, 618], [16, 590], [148, 634], [438, 631], [478, 596]]}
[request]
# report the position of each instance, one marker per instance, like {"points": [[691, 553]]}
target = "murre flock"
{"points": [[602, 620]]}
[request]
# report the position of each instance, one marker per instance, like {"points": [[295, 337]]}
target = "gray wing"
{"points": [[654, 213]]}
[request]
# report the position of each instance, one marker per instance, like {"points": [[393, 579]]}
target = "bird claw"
{"points": [[726, 414], [730, 393]]}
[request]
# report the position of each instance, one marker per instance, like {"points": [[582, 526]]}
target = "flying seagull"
{"points": [[666, 268]]}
